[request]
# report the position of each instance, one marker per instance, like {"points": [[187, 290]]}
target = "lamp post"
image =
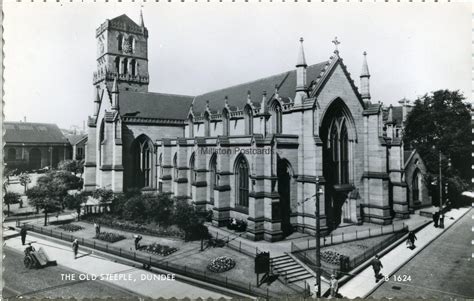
{"points": [[440, 184], [318, 243]]}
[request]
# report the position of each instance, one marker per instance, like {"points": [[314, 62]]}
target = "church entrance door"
{"points": [[284, 184]]}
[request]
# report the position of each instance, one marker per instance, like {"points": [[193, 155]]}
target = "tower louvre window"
{"points": [[120, 42]]}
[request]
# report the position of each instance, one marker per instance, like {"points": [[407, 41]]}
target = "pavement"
{"points": [[363, 284], [444, 269], [134, 280]]}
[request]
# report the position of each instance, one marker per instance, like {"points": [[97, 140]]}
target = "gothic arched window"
{"points": [[339, 144], [124, 66], [142, 150], [117, 64], [213, 176], [131, 43], [242, 182], [276, 118], [120, 42], [133, 67], [416, 186]]}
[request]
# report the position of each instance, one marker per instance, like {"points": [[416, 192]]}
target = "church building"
{"points": [[255, 151]]}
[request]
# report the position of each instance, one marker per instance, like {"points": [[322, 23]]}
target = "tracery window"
{"points": [[248, 116], [242, 182], [339, 144]]}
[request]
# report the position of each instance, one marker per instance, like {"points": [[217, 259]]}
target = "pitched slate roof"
{"points": [[124, 19], [154, 105], [27, 132], [237, 95], [74, 139]]}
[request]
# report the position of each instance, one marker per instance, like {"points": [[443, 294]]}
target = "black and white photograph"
{"points": [[237, 149]]}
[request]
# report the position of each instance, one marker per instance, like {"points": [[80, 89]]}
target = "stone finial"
{"points": [[142, 23], [301, 61], [365, 67], [336, 43], [249, 99]]}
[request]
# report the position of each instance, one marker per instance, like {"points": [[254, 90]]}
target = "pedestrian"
{"points": [[96, 227], [377, 265], [435, 219], [411, 239], [334, 285], [75, 247], [441, 221], [137, 241], [23, 235]]}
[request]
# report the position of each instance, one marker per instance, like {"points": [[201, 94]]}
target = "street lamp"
{"points": [[318, 243]]}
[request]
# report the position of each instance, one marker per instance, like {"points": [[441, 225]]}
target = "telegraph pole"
{"points": [[440, 185], [318, 243]]}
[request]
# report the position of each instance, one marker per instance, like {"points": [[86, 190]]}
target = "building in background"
{"points": [[30, 146], [78, 146]]}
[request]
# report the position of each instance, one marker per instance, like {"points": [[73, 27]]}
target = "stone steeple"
{"points": [[364, 80]]}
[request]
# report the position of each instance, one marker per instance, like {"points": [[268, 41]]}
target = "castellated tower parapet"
{"points": [[122, 53]]}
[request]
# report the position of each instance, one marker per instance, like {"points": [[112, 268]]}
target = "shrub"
{"points": [[221, 264], [71, 227], [158, 249], [237, 225], [109, 237]]}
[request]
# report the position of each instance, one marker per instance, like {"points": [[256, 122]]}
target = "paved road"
{"points": [[133, 279], [47, 283], [444, 269]]}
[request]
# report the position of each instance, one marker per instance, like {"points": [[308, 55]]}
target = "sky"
{"points": [[50, 48]]}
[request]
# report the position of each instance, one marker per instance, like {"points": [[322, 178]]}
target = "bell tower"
{"points": [[122, 53]]}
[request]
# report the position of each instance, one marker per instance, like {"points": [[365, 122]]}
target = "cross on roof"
{"points": [[336, 42]]}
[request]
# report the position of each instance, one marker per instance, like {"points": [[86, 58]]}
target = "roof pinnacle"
{"points": [[365, 67], [301, 57], [142, 23]]}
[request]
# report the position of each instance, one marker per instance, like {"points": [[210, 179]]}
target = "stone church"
{"points": [[254, 151]]}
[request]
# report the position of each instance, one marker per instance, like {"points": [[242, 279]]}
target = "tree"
{"points": [[160, 208], [74, 166], [188, 219], [440, 122], [75, 201], [43, 198], [24, 180], [135, 209], [11, 198], [105, 196]]}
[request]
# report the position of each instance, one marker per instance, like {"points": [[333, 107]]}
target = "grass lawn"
{"points": [[188, 254]]}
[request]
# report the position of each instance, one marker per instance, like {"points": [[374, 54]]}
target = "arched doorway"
{"points": [[35, 158], [284, 188], [416, 185], [142, 154], [335, 134]]}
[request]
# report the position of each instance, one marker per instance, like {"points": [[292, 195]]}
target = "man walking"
{"points": [[75, 247], [23, 235], [137, 241], [334, 285], [435, 219], [377, 265], [411, 239], [96, 227]]}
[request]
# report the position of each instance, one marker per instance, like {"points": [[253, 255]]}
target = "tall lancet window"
{"points": [[119, 42], [339, 143], [192, 176], [276, 118], [175, 167], [248, 117], [242, 182], [212, 176], [225, 122]]}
